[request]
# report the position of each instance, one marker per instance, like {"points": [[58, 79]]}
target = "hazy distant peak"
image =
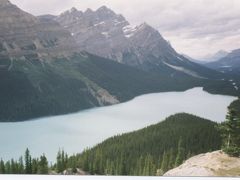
{"points": [[215, 57], [88, 11], [104, 8], [236, 51], [73, 9], [221, 53]]}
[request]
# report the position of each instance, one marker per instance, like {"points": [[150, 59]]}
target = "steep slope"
{"points": [[210, 164], [34, 88], [24, 36], [153, 149], [107, 34], [236, 105], [43, 73]]}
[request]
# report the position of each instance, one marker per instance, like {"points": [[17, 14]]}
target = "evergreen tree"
{"points": [[43, 165], [21, 166], [230, 131], [13, 166], [8, 168], [2, 167], [180, 155], [62, 161], [34, 166], [171, 161], [164, 165], [28, 162], [59, 165], [158, 146]]}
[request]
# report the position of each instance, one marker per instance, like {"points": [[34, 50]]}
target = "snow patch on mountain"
{"points": [[186, 71]]}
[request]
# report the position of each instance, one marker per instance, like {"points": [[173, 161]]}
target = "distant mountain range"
{"points": [[230, 63], [208, 58], [51, 65], [107, 34], [215, 57]]}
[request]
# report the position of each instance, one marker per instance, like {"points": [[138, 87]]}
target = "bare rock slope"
{"points": [[25, 36], [210, 164]]}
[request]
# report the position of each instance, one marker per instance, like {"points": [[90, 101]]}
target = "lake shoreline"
{"points": [[75, 132]]}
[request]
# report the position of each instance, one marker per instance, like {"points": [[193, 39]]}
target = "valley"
{"points": [[39, 78], [108, 96], [78, 131]]}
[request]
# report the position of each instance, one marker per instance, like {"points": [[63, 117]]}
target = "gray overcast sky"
{"points": [[194, 27]]}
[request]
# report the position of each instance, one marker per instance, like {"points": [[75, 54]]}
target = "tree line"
{"points": [[150, 151], [25, 165]]}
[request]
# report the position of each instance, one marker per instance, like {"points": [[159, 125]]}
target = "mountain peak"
{"points": [[88, 11], [73, 9], [103, 8]]}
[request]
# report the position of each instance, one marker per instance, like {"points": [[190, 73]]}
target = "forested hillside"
{"points": [[149, 151], [236, 106], [152, 150], [32, 89]]}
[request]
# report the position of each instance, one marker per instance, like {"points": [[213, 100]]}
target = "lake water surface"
{"points": [[75, 132]]}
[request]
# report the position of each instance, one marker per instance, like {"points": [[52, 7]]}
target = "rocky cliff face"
{"points": [[110, 35], [24, 36], [210, 164]]}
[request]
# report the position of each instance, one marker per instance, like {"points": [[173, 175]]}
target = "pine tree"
{"points": [[21, 166], [2, 167], [13, 167], [180, 155], [43, 165], [59, 164], [28, 162], [230, 131], [171, 161], [8, 168], [34, 166], [164, 165]]}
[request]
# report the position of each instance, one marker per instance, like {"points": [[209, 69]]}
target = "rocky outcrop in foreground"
{"points": [[210, 164]]}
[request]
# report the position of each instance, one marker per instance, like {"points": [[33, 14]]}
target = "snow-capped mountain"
{"points": [[110, 35]]}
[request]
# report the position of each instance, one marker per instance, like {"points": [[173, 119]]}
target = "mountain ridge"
{"points": [[229, 63], [24, 35], [152, 150], [110, 35], [45, 73]]}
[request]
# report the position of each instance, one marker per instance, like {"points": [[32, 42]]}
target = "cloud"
{"points": [[194, 27]]}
